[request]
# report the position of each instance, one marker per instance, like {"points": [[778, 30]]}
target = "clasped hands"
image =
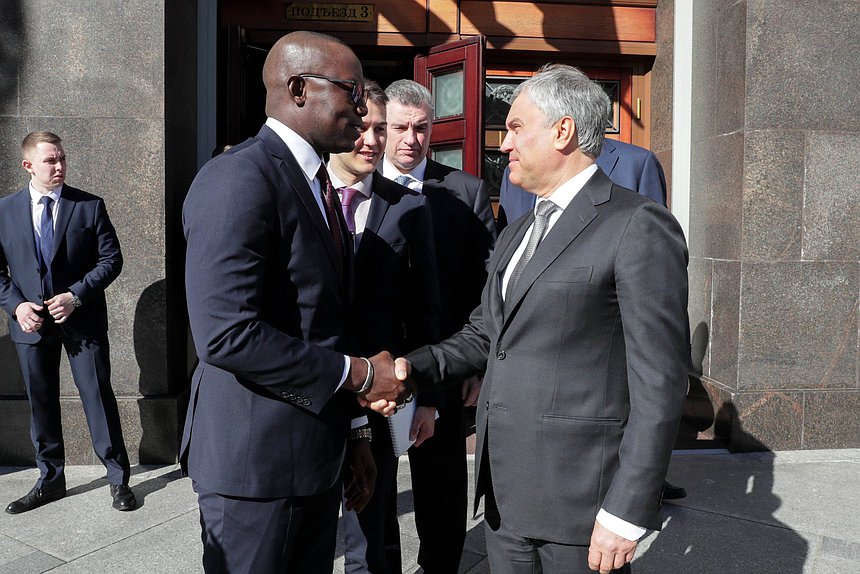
{"points": [[390, 388], [29, 315]]}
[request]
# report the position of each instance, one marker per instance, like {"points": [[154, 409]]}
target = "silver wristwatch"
{"points": [[76, 300]]}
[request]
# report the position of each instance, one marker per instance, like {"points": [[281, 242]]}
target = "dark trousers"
{"points": [[509, 553], [439, 489], [378, 523], [268, 535], [90, 363]]}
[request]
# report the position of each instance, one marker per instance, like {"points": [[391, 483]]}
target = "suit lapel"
{"points": [[24, 208], [379, 204], [65, 206], [506, 251], [579, 213], [294, 179]]}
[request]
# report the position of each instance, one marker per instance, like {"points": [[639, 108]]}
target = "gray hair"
{"points": [[409, 93], [558, 91]]}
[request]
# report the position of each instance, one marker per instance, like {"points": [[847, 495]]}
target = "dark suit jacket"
{"points": [[465, 234], [396, 304], [585, 370], [268, 314], [627, 165], [86, 259]]}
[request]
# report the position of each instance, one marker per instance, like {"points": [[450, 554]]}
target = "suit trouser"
{"points": [[89, 360], [375, 531], [295, 535], [509, 553], [439, 489]]}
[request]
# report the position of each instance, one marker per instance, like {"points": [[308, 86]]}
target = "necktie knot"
{"points": [[545, 208], [347, 194], [46, 200], [403, 180]]}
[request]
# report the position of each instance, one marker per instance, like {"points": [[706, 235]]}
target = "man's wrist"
{"points": [[368, 378], [76, 301], [361, 433]]}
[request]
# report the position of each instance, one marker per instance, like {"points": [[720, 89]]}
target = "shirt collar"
{"points": [[390, 172], [364, 187], [54, 194], [565, 193], [309, 161]]}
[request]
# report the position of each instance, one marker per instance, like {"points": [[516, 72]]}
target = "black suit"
{"points": [[86, 259], [267, 301], [585, 370], [395, 308], [464, 233]]}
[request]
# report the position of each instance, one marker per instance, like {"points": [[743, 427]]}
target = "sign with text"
{"points": [[331, 12]]}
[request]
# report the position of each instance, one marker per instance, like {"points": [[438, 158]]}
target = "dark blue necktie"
{"points": [[46, 244]]}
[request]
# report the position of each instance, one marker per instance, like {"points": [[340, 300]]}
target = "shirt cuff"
{"points": [[358, 422], [345, 373], [620, 527]]}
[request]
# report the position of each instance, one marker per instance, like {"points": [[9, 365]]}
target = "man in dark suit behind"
{"points": [[464, 233], [58, 253], [395, 308], [268, 282], [585, 370]]}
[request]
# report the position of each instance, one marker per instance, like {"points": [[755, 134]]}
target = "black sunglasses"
{"points": [[355, 89]]}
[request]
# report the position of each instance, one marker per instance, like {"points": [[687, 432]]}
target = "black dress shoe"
{"points": [[34, 499], [672, 492], [123, 497]]}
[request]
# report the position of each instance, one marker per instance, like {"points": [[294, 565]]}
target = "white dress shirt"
{"points": [[416, 175], [36, 207], [360, 205]]}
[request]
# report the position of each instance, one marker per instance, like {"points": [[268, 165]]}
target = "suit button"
{"points": [[500, 355], [488, 405]]}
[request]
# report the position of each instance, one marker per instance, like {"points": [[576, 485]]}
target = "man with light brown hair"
{"points": [[58, 254]]}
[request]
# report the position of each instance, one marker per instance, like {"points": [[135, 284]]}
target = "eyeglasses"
{"points": [[355, 89]]}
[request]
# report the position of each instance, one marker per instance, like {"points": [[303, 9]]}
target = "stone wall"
{"points": [[775, 220], [94, 73]]}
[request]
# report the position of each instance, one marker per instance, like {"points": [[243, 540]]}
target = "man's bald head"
{"points": [[307, 77], [296, 53]]}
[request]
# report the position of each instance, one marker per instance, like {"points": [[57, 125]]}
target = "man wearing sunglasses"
{"points": [[268, 281]]}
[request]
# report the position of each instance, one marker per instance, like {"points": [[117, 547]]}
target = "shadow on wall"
{"points": [[159, 416], [698, 419], [11, 54]]}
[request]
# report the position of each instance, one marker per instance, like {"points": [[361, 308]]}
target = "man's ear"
{"points": [[565, 133], [296, 89], [27, 165]]}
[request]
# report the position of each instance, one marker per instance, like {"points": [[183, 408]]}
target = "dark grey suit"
{"points": [[586, 370]]}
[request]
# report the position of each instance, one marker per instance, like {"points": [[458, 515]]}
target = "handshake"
{"points": [[381, 382]]}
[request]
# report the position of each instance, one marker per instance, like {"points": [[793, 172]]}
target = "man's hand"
{"points": [[27, 315], [423, 424], [608, 551], [359, 476], [390, 387], [470, 391], [61, 306]]}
